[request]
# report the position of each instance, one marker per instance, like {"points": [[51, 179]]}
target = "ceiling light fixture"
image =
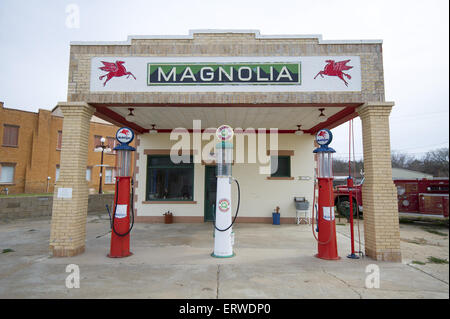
{"points": [[153, 130], [322, 117], [299, 131], [130, 116]]}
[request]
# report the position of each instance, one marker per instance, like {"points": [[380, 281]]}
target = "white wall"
{"points": [[259, 196]]}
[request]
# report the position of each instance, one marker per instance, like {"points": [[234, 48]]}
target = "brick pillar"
{"points": [[381, 224], [68, 229]]}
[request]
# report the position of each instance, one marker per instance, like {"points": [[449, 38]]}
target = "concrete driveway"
{"points": [[173, 261]]}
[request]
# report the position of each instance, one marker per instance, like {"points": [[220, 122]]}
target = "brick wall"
{"points": [[37, 206], [381, 223], [37, 156]]}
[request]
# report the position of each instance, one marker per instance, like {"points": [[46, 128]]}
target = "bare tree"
{"points": [[436, 162], [401, 160]]}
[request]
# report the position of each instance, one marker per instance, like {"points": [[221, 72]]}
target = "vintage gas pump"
{"points": [[223, 232], [326, 224], [123, 203]]}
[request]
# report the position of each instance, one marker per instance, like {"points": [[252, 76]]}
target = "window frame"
{"points": [[57, 172], [89, 168], [113, 170], [59, 140], [171, 165], [95, 140], [4, 135], [276, 176], [9, 164], [109, 138]]}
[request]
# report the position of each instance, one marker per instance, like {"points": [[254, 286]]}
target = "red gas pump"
{"points": [[326, 224], [123, 203]]}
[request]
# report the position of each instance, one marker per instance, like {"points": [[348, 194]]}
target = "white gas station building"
{"points": [[275, 91]]}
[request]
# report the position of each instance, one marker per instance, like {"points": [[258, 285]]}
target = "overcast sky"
{"points": [[34, 50]]}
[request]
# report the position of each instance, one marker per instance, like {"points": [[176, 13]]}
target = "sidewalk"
{"points": [[173, 261]]}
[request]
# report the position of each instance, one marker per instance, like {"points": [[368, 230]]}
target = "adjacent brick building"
{"points": [[31, 147]]}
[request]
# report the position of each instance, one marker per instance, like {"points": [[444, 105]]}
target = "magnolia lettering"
{"points": [[197, 73]]}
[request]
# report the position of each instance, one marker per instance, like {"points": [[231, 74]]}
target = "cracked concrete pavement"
{"points": [[173, 261]]}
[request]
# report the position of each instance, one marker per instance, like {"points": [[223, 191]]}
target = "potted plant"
{"points": [[168, 217]]}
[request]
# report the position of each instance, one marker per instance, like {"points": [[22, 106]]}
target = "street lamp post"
{"points": [[102, 147]]}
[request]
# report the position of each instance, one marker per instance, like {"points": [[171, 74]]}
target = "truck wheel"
{"points": [[343, 207]]}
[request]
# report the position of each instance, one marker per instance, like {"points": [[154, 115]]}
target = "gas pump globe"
{"points": [[327, 246]]}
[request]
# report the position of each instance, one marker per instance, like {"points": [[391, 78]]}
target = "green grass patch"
{"points": [[434, 231], [425, 221], [341, 224], [435, 260], [418, 262], [7, 250], [404, 220]]}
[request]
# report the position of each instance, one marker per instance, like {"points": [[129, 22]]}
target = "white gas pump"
{"points": [[223, 223]]}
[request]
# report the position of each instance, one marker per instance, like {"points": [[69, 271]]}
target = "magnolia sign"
{"points": [[220, 74], [225, 74]]}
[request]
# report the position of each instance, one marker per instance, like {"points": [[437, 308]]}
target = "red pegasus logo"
{"points": [[322, 134], [114, 70], [335, 69], [125, 131]]}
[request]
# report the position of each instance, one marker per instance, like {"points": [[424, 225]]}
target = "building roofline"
{"points": [[257, 34]]}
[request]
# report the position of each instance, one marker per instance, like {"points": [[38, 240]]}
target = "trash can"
{"points": [[276, 218]]}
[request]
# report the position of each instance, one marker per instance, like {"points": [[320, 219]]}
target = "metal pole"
{"points": [[100, 190], [351, 222]]}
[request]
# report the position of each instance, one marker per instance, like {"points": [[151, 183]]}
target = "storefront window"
{"points": [[281, 167], [169, 181]]}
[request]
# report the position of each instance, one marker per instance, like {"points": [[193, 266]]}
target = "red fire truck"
{"points": [[422, 196]]}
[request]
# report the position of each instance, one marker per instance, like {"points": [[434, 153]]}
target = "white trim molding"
{"points": [[191, 34]]}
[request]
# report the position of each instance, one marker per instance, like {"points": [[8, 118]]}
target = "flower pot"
{"points": [[168, 219]]}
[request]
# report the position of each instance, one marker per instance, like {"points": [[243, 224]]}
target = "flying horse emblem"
{"points": [[336, 69], [114, 70]]}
